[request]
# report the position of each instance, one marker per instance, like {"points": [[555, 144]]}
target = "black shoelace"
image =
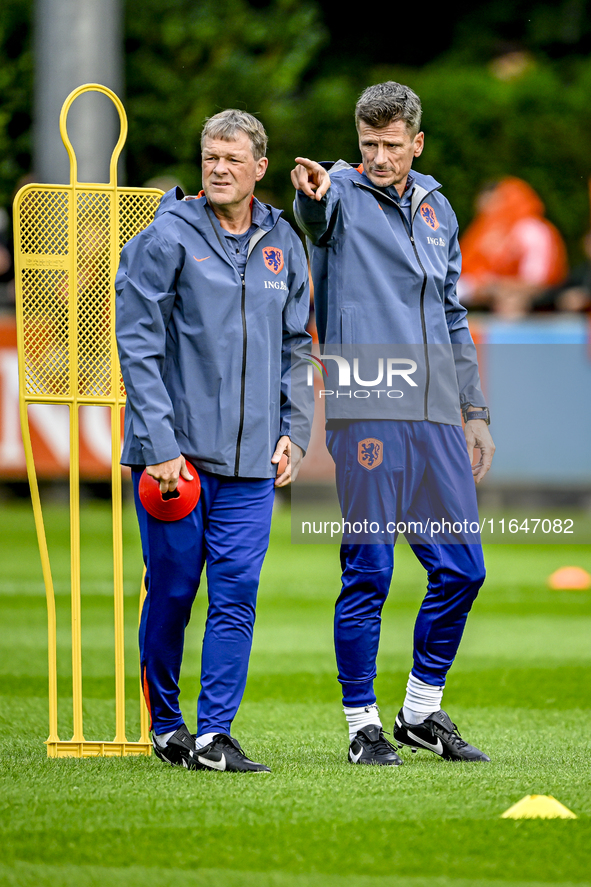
{"points": [[381, 744], [454, 737]]}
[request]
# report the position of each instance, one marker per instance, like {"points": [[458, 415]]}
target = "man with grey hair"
{"points": [[383, 245], [229, 124], [212, 304]]}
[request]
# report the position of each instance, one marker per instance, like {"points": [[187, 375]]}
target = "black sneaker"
{"points": [[179, 751], [224, 753], [370, 746], [437, 734]]}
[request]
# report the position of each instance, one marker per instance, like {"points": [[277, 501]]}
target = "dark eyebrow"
{"points": [[369, 140]]}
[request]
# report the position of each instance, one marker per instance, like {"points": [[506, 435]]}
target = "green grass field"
{"points": [[520, 690]]}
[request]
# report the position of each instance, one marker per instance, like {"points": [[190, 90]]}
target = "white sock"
{"points": [[204, 739], [361, 717], [162, 738], [421, 700]]}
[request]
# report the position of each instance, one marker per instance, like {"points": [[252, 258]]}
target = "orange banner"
{"points": [[50, 431], [49, 427]]}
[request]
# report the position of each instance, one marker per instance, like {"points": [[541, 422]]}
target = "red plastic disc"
{"points": [[176, 505]]}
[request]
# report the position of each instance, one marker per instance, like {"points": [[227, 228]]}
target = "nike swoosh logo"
{"points": [[201, 260], [215, 765], [355, 758], [437, 747]]}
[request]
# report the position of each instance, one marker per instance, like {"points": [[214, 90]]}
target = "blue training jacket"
{"points": [[380, 281], [206, 355]]}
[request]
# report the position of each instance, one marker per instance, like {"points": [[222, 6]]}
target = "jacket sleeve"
{"points": [[145, 294], [297, 397], [464, 350], [315, 217]]}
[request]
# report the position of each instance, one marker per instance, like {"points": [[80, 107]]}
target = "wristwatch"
{"points": [[469, 412]]}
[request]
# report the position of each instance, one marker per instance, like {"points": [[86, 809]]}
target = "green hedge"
{"points": [[16, 95], [185, 61], [478, 128]]}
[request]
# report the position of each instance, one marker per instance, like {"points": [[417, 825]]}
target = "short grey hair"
{"points": [[383, 103], [228, 123]]}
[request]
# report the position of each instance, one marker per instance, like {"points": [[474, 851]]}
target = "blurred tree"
{"points": [[537, 126], [474, 32], [478, 128], [16, 91], [558, 30], [205, 57], [528, 115]]}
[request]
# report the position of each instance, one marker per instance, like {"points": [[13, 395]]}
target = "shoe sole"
{"points": [[415, 748], [376, 763], [199, 765], [182, 763], [214, 770]]}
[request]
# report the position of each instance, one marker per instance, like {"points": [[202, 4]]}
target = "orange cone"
{"points": [[570, 578]]}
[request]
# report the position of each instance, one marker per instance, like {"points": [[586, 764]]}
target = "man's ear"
{"points": [[262, 165], [419, 143]]}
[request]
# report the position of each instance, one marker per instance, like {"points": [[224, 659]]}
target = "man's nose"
{"points": [[220, 167], [381, 156]]}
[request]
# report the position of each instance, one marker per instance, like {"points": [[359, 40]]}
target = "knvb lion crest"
{"points": [[273, 258], [370, 453], [428, 215]]}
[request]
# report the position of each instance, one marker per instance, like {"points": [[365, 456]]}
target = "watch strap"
{"points": [[478, 414]]}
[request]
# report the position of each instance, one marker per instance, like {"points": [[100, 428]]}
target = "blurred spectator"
{"points": [[6, 266], [512, 64], [574, 293], [510, 252]]}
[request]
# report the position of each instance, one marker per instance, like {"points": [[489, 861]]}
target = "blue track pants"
{"points": [[420, 473], [228, 531]]}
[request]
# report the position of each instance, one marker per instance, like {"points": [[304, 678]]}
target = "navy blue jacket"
{"points": [[206, 354], [380, 281]]}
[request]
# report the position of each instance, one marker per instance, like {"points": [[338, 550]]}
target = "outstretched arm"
{"points": [[310, 178], [316, 199]]}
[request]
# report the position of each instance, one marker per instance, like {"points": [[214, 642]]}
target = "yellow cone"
{"points": [[538, 807]]}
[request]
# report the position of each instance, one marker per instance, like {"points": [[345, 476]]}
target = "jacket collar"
{"points": [[192, 209], [196, 212], [422, 184]]}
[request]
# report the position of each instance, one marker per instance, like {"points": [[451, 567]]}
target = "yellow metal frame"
{"points": [[67, 244]]}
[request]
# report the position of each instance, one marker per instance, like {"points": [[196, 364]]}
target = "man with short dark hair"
{"points": [[212, 302], [383, 245]]}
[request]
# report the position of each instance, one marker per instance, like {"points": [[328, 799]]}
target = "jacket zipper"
{"points": [[421, 300], [244, 348], [423, 323], [242, 378], [243, 373]]}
